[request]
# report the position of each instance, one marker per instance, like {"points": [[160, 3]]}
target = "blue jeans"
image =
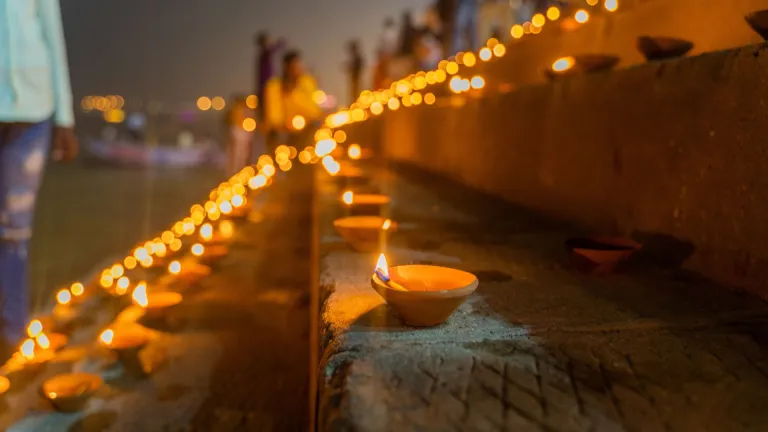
{"points": [[23, 153], [465, 27]]}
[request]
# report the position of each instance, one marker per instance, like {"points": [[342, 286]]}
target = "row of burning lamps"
{"points": [[409, 91], [227, 199]]}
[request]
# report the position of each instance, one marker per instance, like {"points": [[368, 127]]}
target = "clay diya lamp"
{"points": [[351, 175], [364, 233], [580, 64], [209, 254], [364, 204], [662, 48], [157, 304], [70, 392], [600, 255], [758, 21], [126, 344], [223, 233], [422, 295], [189, 272]]}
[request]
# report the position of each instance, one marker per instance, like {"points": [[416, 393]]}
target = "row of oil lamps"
{"points": [[205, 232], [421, 295], [409, 91]]}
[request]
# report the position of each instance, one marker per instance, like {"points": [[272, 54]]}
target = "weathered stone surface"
{"points": [[538, 346], [671, 152]]}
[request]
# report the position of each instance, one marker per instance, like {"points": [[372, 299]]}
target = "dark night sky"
{"points": [[177, 50]]}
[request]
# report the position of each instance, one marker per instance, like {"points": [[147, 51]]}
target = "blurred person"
{"points": [[389, 38], [407, 34], [238, 138], [355, 70], [35, 113], [428, 50], [446, 12], [381, 78], [288, 96], [465, 26], [136, 122], [266, 50]]}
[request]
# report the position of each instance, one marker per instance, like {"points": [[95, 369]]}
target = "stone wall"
{"points": [[675, 148]]}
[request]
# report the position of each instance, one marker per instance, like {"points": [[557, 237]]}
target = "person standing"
{"points": [[407, 35], [266, 50], [465, 26], [35, 113], [239, 138], [287, 97], [355, 70], [389, 38], [446, 11]]}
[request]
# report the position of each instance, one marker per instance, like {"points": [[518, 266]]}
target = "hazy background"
{"points": [[177, 50]]}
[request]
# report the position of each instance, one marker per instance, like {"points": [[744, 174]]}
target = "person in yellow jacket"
{"points": [[289, 96]]}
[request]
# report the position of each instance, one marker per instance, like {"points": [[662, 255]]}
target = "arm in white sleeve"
{"points": [[49, 14]]}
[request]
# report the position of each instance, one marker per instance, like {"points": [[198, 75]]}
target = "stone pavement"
{"points": [[539, 346], [236, 357]]}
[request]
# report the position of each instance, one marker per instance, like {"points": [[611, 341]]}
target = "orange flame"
{"points": [[43, 341], [139, 295], [348, 197], [34, 328], [174, 267], [381, 265], [386, 225], [28, 349], [107, 336], [197, 249], [63, 297]]}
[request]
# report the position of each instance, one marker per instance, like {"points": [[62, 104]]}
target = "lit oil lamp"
{"points": [[422, 295], [364, 233], [209, 254], [126, 344], [364, 204], [70, 392], [155, 305]]}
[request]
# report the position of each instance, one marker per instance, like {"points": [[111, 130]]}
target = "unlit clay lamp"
{"points": [[70, 392], [758, 21], [156, 304], [126, 344], [364, 233], [422, 295], [600, 255], [662, 48]]}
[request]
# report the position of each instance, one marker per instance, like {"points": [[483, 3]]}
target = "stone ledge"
{"points": [[538, 346]]}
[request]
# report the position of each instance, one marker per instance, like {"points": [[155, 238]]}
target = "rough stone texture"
{"points": [[665, 149], [236, 355], [539, 346]]}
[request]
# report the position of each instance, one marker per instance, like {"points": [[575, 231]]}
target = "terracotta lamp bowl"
{"points": [[70, 392], [433, 292], [161, 302], [368, 204], [127, 343], [758, 21], [350, 171], [5, 385], [363, 233], [213, 253], [599, 255], [662, 48], [585, 63]]}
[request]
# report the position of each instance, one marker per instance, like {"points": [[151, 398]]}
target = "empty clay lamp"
{"points": [[364, 233], [70, 392], [662, 48], [155, 305], [209, 254], [126, 344], [758, 21], [422, 295], [600, 255]]}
